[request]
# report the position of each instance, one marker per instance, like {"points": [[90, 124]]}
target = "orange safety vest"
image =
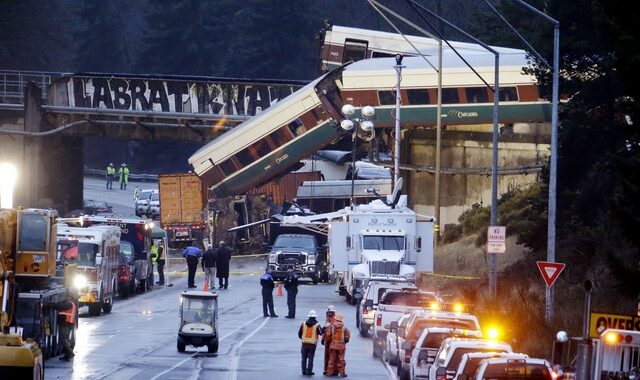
{"points": [[337, 334], [309, 334], [69, 314]]}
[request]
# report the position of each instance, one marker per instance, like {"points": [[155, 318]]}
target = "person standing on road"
{"points": [[308, 333], [266, 281], [291, 286], [67, 313], [111, 175], [330, 314], [339, 336], [192, 255], [222, 263], [209, 259], [123, 173], [161, 262]]}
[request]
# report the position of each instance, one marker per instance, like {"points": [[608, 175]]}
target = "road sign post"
{"points": [[496, 237]]}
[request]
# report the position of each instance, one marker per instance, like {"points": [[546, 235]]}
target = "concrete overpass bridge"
{"points": [[44, 116]]}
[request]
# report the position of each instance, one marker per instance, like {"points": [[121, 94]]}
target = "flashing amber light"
{"points": [[493, 333], [613, 338], [458, 308], [434, 306]]}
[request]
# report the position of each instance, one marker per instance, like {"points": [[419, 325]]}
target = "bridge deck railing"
{"points": [[13, 82]]}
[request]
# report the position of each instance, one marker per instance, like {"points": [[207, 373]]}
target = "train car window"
{"points": [[450, 96], [280, 136], [477, 95], [508, 94], [227, 166], [244, 157], [354, 50], [418, 96], [387, 98], [297, 128], [378, 54], [262, 147]]}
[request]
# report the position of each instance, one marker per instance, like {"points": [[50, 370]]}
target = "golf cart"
{"points": [[198, 320]]}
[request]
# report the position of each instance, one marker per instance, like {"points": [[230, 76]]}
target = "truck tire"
{"points": [[364, 330], [107, 306], [314, 278], [212, 347], [348, 297], [181, 346], [94, 309]]}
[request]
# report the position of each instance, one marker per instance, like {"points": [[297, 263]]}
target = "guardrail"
{"points": [[13, 82], [132, 176]]}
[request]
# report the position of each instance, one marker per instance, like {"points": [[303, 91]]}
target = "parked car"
{"points": [[424, 353], [450, 353], [505, 368], [154, 205], [390, 349], [421, 320], [366, 309], [92, 207], [470, 362], [301, 251], [142, 202]]}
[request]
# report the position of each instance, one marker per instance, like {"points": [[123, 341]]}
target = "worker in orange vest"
{"points": [[339, 336], [330, 314], [67, 315], [308, 333]]}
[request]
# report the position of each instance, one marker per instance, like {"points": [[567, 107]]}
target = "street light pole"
{"points": [[352, 123], [396, 161]]}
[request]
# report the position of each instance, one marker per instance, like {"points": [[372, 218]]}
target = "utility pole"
{"points": [[396, 161]]}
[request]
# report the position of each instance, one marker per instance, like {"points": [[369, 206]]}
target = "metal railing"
{"points": [[13, 82]]}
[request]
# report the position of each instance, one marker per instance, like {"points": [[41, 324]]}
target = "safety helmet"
{"points": [[111, 164], [339, 317], [312, 314], [123, 164], [222, 242], [331, 308]]}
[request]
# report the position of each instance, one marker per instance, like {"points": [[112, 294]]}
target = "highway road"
{"points": [[138, 339]]}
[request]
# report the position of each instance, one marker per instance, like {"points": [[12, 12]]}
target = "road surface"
{"points": [[138, 339]]}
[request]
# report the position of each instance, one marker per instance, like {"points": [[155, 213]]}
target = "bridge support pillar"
{"points": [[51, 174]]}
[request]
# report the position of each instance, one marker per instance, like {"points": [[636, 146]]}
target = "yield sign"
{"points": [[550, 271]]}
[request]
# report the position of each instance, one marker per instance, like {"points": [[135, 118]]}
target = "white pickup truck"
{"points": [[393, 304], [366, 309]]}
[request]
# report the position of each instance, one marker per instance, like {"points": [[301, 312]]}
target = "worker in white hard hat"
{"points": [[308, 333], [330, 314]]}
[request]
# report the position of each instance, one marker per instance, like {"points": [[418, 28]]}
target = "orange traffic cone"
{"points": [[205, 287], [279, 293]]}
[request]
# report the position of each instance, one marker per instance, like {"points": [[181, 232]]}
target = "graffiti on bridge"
{"points": [[182, 96]]}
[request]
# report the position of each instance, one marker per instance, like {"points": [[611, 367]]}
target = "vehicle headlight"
{"points": [[79, 281], [272, 258], [311, 259]]}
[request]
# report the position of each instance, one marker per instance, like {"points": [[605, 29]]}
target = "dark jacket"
{"points": [[266, 281], [222, 262], [209, 258], [310, 322], [291, 281]]}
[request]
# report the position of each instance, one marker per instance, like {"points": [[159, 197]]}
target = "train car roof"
{"points": [[424, 44]]}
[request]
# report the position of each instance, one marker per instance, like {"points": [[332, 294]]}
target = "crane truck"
{"points": [[383, 238], [29, 331]]}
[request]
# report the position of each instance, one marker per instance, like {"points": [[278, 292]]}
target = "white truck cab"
{"points": [[450, 353], [366, 310]]}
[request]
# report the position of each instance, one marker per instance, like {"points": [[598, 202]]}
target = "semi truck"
{"points": [[183, 199], [380, 238], [95, 250], [29, 332]]}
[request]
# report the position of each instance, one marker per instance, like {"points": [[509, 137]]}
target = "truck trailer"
{"points": [[183, 199]]}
